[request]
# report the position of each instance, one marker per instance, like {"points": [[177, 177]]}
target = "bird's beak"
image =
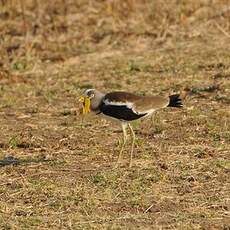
{"points": [[85, 104]]}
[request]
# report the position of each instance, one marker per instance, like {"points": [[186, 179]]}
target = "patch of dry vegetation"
{"points": [[57, 168]]}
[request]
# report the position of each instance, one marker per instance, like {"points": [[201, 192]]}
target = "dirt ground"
{"points": [[57, 167]]}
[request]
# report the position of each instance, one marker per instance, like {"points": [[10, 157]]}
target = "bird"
{"points": [[125, 107]]}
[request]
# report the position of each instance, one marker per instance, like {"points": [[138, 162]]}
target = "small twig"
{"points": [[148, 208], [222, 29]]}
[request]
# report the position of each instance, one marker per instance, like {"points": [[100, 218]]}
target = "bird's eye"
{"points": [[91, 95]]}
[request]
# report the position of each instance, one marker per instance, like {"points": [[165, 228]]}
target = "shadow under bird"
{"points": [[125, 107]]}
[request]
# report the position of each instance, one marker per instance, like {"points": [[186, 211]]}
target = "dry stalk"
{"points": [[23, 16]]}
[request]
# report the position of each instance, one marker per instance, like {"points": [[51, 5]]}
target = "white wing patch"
{"points": [[129, 105], [119, 103]]}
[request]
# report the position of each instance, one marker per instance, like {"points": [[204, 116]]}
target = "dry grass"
{"points": [[57, 168]]}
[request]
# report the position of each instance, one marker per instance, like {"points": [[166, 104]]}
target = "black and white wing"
{"points": [[119, 109]]}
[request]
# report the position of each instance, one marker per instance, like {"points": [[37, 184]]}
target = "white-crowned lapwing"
{"points": [[125, 108]]}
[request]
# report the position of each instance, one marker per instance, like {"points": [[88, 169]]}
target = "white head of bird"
{"points": [[91, 99]]}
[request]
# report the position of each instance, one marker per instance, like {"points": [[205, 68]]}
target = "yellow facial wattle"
{"points": [[85, 104]]}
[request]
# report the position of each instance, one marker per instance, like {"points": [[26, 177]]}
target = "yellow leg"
{"points": [[133, 143], [125, 137]]}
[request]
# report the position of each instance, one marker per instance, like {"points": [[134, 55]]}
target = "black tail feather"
{"points": [[175, 101]]}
